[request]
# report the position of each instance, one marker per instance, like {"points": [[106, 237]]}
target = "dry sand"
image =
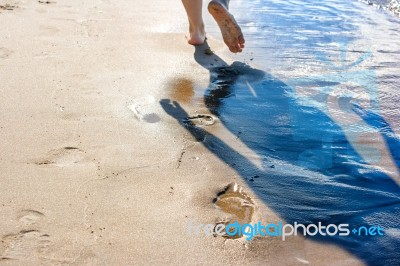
{"points": [[93, 171]]}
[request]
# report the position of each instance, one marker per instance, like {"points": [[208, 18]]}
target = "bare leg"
{"points": [[230, 30], [196, 25]]}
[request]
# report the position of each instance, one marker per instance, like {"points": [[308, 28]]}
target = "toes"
{"points": [[232, 47], [235, 49], [241, 41], [236, 46]]}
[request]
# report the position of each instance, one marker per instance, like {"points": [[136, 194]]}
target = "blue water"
{"points": [[319, 106]]}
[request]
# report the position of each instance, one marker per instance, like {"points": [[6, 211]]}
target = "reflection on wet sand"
{"points": [[181, 89], [236, 204], [339, 187]]}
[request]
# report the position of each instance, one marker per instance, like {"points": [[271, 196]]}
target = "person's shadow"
{"points": [[305, 179]]}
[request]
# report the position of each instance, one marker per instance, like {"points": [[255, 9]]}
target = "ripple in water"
{"points": [[323, 113]]}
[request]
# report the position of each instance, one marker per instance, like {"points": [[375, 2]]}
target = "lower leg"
{"points": [[196, 25]]}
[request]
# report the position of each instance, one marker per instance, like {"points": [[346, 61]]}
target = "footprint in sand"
{"points": [[23, 245], [46, 2], [236, 204], [195, 123], [200, 120], [63, 157], [29, 217], [28, 243], [8, 7], [5, 53], [142, 109]]}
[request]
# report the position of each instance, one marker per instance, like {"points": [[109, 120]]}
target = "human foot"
{"points": [[230, 30], [197, 35]]}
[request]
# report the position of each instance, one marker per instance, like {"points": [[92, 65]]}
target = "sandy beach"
{"points": [[94, 171]]}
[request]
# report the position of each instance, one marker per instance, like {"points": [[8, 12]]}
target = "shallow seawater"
{"points": [[392, 6], [319, 105]]}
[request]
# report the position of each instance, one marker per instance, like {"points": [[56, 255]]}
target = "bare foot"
{"points": [[230, 30], [197, 36]]}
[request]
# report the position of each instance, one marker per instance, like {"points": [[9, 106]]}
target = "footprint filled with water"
{"points": [[236, 205], [200, 120]]}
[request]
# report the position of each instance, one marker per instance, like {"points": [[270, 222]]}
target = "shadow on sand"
{"points": [[305, 180]]}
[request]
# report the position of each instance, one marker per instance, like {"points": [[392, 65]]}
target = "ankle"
{"points": [[197, 30], [197, 34]]}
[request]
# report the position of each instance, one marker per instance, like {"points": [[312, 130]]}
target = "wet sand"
{"points": [[93, 170]]}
